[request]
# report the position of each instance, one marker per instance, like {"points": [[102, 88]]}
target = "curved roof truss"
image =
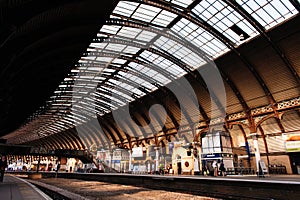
{"points": [[144, 46]]}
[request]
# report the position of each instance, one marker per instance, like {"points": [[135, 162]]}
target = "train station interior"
{"points": [[150, 87]]}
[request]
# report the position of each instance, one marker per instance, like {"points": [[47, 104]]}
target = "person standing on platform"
{"points": [[57, 166], [215, 167], [3, 165], [222, 169]]}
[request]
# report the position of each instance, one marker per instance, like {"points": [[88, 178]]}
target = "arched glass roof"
{"points": [[142, 48]]}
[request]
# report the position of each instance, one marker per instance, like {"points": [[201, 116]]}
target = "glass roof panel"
{"points": [[146, 36], [98, 45], [162, 65], [115, 47], [125, 85], [110, 29], [146, 13], [183, 3], [104, 59], [164, 18], [180, 52], [129, 32], [221, 16], [161, 78], [200, 37], [176, 70], [119, 61], [269, 13], [131, 50], [125, 8], [115, 91]]}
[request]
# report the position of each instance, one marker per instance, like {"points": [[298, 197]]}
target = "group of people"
{"points": [[214, 169]]}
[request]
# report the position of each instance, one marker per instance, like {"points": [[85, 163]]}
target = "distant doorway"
{"points": [[295, 162], [179, 168]]}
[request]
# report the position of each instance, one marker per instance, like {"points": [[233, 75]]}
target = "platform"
{"points": [[14, 188], [285, 187]]}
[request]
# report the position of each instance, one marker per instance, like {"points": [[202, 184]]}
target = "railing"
{"points": [[240, 171], [277, 169]]}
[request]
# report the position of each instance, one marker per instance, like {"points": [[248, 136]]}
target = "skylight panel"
{"points": [[98, 78], [138, 92], [135, 66], [110, 29], [115, 47], [104, 59], [102, 35], [165, 43], [164, 18], [146, 36], [113, 82], [89, 57], [109, 70], [193, 60], [131, 50], [125, 8], [161, 79], [183, 3], [96, 69], [222, 17], [146, 13], [149, 85], [101, 95], [269, 13], [125, 75], [165, 63], [149, 56], [86, 77], [125, 96], [182, 53], [176, 70], [150, 72], [129, 32], [101, 45], [138, 80], [204, 39], [119, 61], [103, 104], [174, 49], [159, 62], [126, 87]]}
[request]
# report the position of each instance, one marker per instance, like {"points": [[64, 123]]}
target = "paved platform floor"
{"points": [[13, 188], [96, 190]]}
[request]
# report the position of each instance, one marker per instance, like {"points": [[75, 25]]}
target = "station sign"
{"points": [[292, 142]]}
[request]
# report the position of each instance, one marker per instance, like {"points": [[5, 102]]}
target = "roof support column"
{"points": [[256, 150], [265, 143], [110, 158], [156, 159], [130, 160]]}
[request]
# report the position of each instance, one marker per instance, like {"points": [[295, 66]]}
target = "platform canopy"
{"points": [[141, 72]]}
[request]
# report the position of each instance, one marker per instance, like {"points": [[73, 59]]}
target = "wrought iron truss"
{"points": [[132, 57]]}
